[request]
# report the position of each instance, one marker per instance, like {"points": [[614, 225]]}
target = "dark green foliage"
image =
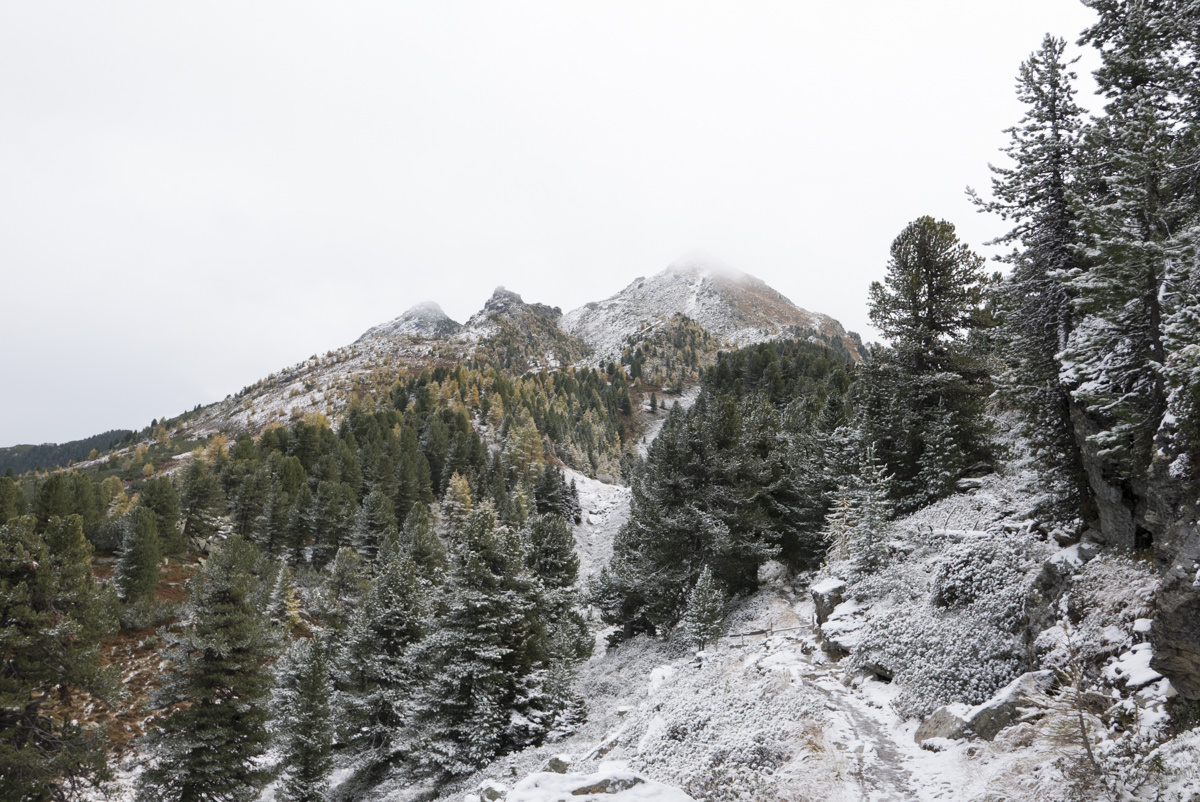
{"points": [[49, 456], [733, 482], [374, 524], [209, 749], [550, 556], [138, 566], [482, 656], [421, 542], [303, 722], [552, 494], [160, 497], [202, 502], [12, 499], [53, 499], [922, 400], [1037, 318], [377, 669], [54, 614], [333, 517]]}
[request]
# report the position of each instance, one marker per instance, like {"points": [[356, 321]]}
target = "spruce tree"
{"points": [[303, 721], [209, 749], [704, 617], [1036, 193], [138, 568], [54, 615]]}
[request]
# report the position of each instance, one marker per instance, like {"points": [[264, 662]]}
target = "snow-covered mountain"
{"points": [[736, 308], [423, 320]]}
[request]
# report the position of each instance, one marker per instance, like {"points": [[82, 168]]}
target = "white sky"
{"points": [[193, 195]]}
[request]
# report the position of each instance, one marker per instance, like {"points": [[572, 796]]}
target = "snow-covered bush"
{"points": [[939, 657], [980, 568]]}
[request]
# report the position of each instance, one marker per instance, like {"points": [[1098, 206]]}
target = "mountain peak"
{"points": [[735, 307], [507, 303], [426, 319]]}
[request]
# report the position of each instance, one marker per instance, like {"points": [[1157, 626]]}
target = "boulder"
{"points": [[988, 719], [1003, 709], [840, 632], [1176, 632], [558, 764], [945, 723], [826, 595]]}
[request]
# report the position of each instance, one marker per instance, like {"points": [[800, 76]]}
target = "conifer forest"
{"points": [[710, 567]]}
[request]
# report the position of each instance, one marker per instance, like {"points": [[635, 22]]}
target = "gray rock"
{"points": [[559, 764], [1003, 709], [942, 723], [826, 595], [988, 719], [1175, 635]]}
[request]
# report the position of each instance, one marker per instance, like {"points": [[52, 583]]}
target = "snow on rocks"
{"points": [[614, 781]]}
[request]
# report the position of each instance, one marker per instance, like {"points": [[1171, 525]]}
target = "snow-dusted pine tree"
{"points": [[1036, 193], [302, 722], [704, 617], [209, 749], [377, 672]]}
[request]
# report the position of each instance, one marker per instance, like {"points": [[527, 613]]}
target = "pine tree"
{"points": [[160, 497], [374, 523], [422, 543], [12, 500], [377, 670], [456, 506], [283, 605], [704, 617], [202, 502], [928, 384], [478, 655], [867, 538], [138, 570], [54, 615], [209, 749], [1036, 193], [303, 721]]}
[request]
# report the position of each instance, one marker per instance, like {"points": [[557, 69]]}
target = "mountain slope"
{"points": [[736, 308]]}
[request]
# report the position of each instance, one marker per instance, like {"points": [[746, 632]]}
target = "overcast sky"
{"points": [[193, 195]]}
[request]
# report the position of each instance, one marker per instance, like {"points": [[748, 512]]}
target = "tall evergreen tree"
{"points": [[377, 669], [202, 502], [477, 656], [54, 614], [209, 749], [1036, 193], [704, 617], [138, 568], [12, 499], [160, 497], [930, 388], [303, 721]]}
